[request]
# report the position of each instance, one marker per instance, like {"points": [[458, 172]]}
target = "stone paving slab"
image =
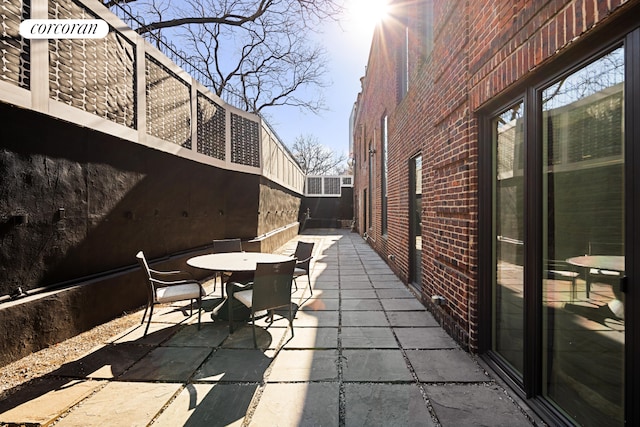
{"points": [[374, 365], [121, 404], [107, 362], [168, 364], [304, 365], [474, 405], [209, 335], [235, 365], [368, 337], [299, 404], [350, 282], [326, 293], [358, 294], [445, 366], [44, 400], [242, 337], [364, 318], [310, 338], [361, 305], [424, 338], [386, 281], [316, 319], [385, 405], [321, 304], [395, 293], [411, 319], [209, 405], [402, 304], [158, 332]]}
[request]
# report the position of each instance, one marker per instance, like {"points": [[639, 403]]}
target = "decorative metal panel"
{"points": [[211, 128], [332, 185], [168, 104], [94, 75], [314, 185], [14, 50], [245, 141]]}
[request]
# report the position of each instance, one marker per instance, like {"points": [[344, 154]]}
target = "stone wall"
{"points": [[75, 207]]}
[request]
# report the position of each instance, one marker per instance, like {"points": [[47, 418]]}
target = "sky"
{"points": [[347, 45]]}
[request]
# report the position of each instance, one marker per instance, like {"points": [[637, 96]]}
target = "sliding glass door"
{"points": [[559, 221], [583, 242]]}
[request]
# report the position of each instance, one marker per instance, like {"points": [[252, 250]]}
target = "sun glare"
{"points": [[366, 14]]}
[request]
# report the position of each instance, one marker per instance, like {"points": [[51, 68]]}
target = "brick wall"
{"points": [[481, 50]]}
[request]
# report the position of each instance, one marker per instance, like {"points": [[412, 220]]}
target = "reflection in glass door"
{"points": [[415, 221], [508, 225], [583, 243]]}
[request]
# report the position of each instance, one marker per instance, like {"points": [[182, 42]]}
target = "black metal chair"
{"points": [[303, 254], [270, 289], [165, 291], [223, 246], [227, 245], [562, 270]]}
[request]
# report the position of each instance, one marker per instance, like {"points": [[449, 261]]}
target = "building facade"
{"points": [[494, 149]]}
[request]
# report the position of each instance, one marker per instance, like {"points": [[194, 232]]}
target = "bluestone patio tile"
{"points": [[297, 404], [375, 365], [304, 365], [445, 366], [474, 405], [384, 405]]}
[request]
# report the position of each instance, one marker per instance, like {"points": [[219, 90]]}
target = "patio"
{"points": [[365, 352]]}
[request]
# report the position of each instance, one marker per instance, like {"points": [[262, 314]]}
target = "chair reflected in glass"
{"points": [[603, 275], [270, 290], [163, 291], [223, 246], [303, 254]]}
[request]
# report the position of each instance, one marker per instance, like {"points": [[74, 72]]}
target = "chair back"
{"points": [[303, 255], [145, 267], [272, 285], [605, 248], [227, 245]]}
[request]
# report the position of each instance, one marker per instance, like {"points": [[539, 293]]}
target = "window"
{"points": [[403, 65], [427, 26], [385, 174], [371, 175]]}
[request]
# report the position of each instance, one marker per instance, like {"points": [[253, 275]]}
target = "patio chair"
{"points": [[227, 245], [562, 270], [161, 291], [270, 289], [221, 246], [599, 274], [303, 254]]}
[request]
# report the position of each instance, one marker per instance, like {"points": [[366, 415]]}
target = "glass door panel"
{"points": [[508, 252], [583, 242]]}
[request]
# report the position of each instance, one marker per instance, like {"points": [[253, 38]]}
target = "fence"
{"points": [[123, 86]]}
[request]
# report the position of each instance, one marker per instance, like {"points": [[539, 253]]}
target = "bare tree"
{"points": [[316, 159], [254, 53]]}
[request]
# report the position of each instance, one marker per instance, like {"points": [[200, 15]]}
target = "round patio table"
{"points": [[603, 262], [234, 261]]}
